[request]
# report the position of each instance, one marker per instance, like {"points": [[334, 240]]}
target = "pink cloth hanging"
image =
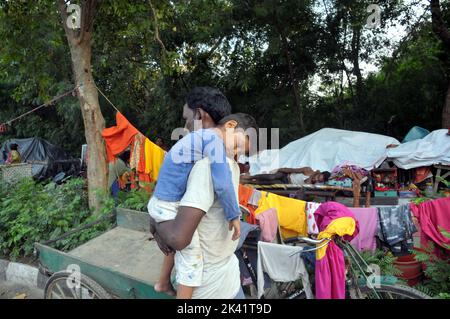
{"points": [[368, 221], [268, 222], [433, 217], [330, 269]]}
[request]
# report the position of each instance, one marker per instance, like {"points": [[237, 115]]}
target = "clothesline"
{"points": [[53, 100], [106, 98], [56, 98]]}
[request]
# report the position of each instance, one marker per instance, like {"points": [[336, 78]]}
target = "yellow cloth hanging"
{"points": [[154, 157], [341, 226], [291, 213]]}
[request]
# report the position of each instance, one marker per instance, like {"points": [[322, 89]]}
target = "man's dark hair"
{"points": [[326, 176], [211, 100], [244, 121], [13, 147]]}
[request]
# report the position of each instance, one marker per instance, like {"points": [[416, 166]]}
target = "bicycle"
{"points": [[358, 281]]}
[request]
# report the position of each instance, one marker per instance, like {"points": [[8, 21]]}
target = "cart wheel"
{"points": [[59, 287]]}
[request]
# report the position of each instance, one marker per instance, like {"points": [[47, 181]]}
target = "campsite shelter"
{"points": [[47, 159]]}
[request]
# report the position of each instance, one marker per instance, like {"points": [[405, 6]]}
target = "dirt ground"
{"points": [[10, 290]]}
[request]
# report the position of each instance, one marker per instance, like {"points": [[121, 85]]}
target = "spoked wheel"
{"points": [[62, 286], [395, 292], [284, 290]]}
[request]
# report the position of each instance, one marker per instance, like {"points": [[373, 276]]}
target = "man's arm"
{"points": [[177, 233], [303, 170]]}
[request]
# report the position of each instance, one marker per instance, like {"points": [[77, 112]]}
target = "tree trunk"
{"points": [[354, 57], [441, 30], [294, 82], [446, 110], [94, 123], [356, 48]]}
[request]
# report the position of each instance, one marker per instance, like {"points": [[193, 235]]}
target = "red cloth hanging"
{"points": [[118, 137]]}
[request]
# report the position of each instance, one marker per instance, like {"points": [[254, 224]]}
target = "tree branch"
{"points": [[157, 37]]}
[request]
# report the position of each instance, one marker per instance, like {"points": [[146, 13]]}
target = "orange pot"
{"points": [[411, 269]]}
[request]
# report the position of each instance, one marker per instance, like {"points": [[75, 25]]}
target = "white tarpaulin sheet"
{"points": [[432, 149], [324, 150]]}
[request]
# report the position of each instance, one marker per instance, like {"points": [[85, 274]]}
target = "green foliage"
{"points": [[437, 272], [32, 212], [443, 181], [420, 200], [136, 199], [237, 46], [384, 260]]}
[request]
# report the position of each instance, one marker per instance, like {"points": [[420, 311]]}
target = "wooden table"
{"points": [[440, 168], [329, 192]]}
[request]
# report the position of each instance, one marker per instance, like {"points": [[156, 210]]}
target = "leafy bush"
{"points": [[384, 260], [437, 272], [136, 199], [32, 212]]}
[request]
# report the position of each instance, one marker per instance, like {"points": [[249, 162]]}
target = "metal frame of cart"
{"points": [[123, 262]]}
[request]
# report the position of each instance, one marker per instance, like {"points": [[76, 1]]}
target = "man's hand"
{"points": [[236, 225], [161, 244]]}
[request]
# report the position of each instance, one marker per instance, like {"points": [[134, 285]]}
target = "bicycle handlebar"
{"points": [[305, 240]]}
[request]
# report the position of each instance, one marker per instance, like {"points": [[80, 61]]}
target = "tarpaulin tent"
{"points": [[325, 149], [47, 159], [432, 149]]}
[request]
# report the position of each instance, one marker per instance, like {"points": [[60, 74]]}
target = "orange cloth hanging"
{"points": [[146, 157], [244, 194], [118, 137]]}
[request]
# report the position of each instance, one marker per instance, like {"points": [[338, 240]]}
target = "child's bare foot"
{"points": [[165, 288]]}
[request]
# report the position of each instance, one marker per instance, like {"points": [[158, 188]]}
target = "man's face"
{"points": [[188, 116], [317, 179], [194, 119]]}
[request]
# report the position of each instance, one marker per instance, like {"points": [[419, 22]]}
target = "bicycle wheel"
{"points": [[394, 292], [284, 290], [57, 288]]}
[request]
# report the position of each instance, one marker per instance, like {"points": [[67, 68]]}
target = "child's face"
{"points": [[236, 142]]}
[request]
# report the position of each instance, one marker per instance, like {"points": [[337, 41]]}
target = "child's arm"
{"points": [[222, 179]]}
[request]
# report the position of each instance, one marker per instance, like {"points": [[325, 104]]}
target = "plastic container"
{"points": [[386, 193], [415, 133], [407, 194]]}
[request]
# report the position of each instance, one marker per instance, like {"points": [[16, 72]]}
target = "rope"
{"points": [[106, 98], [46, 104], [56, 98]]}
